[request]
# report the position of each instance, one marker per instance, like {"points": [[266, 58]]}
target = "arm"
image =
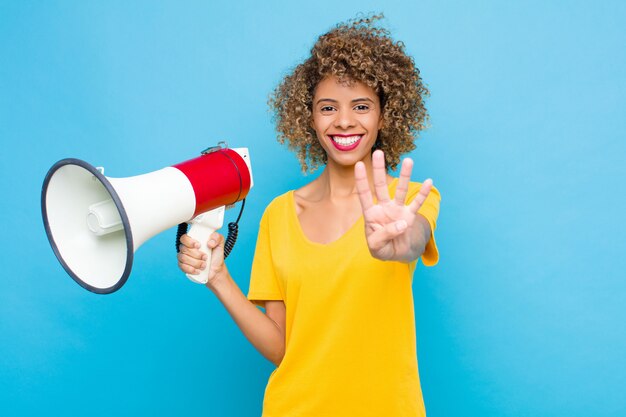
{"points": [[266, 331], [421, 229]]}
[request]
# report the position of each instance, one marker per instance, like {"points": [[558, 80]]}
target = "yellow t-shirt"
{"points": [[350, 329]]}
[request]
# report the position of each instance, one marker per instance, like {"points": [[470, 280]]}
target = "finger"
{"points": [[216, 244], [384, 235], [215, 240], [189, 241], [188, 269], [363, 186], [380, 177], [189, 261], [194, 253], [403, 181], [419, 199]]}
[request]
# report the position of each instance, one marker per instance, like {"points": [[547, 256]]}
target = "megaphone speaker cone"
{"points": [[100, 263]]}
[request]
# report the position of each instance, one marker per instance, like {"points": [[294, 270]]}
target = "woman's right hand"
{"points": [[191, 260]]}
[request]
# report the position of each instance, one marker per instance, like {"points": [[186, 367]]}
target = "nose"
{"points": [[344, 119]]}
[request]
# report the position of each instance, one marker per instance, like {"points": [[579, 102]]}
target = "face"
{"points": [[346, 118]]}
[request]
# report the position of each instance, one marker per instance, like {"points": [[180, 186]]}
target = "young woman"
{"points": [[334, 259]]}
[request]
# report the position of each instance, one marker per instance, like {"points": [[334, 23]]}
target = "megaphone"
{"points": [[96, 223]]}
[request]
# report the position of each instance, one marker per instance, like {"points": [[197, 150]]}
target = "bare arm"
{"points": [[266, 331]]}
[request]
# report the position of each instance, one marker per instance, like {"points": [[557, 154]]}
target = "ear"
{"points": [[381, 122]]}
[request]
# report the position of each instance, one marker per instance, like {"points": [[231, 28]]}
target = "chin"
{"points": [[347, 160]]}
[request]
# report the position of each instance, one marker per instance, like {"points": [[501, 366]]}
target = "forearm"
{"points": [[420, 237], [264, 334]]}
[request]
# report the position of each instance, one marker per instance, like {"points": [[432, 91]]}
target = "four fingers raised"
{"points": [[380, 183]]}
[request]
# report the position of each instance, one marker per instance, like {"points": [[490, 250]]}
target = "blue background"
{"points": [[523, 316]]}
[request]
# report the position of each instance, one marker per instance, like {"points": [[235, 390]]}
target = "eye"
{"points": [[326, 109], [362, 108]]}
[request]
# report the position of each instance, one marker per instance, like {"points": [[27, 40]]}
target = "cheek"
{"points": [[318, 130], [320, 125]]}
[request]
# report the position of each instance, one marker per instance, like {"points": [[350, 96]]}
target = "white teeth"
{"points": [[346, 141]]}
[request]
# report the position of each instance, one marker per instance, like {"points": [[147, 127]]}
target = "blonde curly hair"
{"points": [[358, 50]]}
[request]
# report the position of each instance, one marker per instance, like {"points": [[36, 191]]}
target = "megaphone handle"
{"points": [[201, 229], [201, 234]]}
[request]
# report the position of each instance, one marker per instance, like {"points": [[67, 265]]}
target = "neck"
{"points": [[337, 181]]}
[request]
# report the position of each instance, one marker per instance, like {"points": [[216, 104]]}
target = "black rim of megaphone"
{"points": [[120, 207]]}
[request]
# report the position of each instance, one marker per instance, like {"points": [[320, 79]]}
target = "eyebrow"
{"points": [[356, 100]]}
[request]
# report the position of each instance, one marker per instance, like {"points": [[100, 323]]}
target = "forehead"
{"points": [[336, 89]]}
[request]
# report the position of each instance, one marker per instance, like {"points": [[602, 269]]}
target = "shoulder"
{"points": [[278, 210], [306, 195], [279, 203]]}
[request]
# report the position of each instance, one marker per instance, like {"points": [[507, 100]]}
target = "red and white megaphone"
{"points": [[96, 223]]}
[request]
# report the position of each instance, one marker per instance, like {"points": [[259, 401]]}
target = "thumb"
{"points": [[216, 244], [383, 235], [399, 226]]}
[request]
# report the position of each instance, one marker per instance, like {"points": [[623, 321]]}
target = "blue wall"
{"points": [[523, 316]]}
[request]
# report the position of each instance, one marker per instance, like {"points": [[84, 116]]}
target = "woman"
{"points": [[334, 259]]}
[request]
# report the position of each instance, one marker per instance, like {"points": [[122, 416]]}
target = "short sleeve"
{"points": [[430, 210], [263, 281]]}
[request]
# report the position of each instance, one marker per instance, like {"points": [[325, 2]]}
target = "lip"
{"points": [[344, 148]]}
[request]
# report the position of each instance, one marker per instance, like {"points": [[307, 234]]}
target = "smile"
{"points": [[345, 143]]}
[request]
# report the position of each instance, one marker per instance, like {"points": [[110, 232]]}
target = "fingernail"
{"points": [[204, 257], [401, 225], [212, 242], [203, 265]]}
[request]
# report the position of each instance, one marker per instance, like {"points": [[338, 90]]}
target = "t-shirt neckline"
{"points": [[296, 220]]}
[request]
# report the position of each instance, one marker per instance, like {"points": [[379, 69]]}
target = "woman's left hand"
{"points": [[394, 231]]}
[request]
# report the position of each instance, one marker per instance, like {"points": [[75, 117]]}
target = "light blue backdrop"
{"points": [[523, 316]]}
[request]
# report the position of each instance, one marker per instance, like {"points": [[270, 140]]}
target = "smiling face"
{"points": [[346, 119]]}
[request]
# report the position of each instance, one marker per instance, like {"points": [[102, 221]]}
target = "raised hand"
{"points": [[394, 231]]}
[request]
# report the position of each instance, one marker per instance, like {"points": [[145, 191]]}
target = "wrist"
{"points": [[219, 280]]}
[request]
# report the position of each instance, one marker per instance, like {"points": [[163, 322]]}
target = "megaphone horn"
{"points": [[96, 223]]}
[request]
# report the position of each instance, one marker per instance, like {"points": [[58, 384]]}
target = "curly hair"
{"points": [[358, 50]]}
